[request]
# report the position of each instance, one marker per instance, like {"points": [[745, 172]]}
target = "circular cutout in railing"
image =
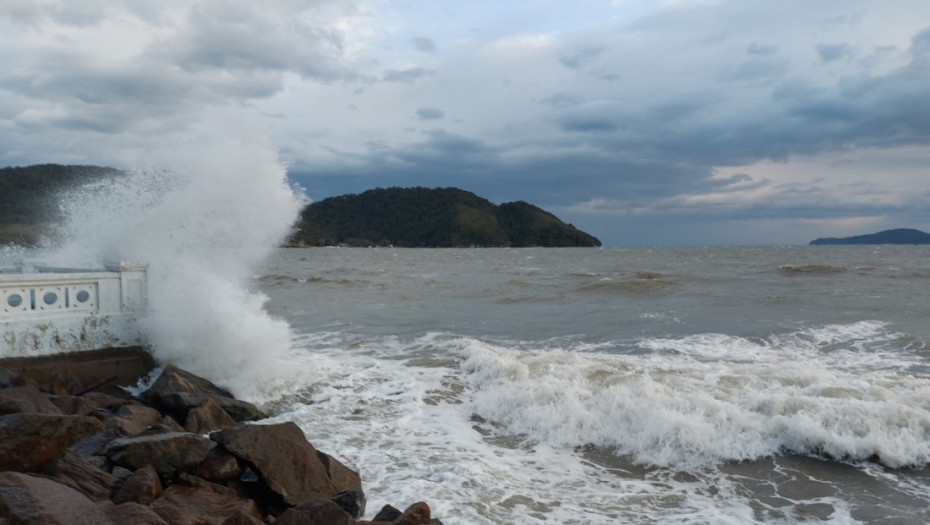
{"points": [[50, 297], [14, 300], [82, 296]]}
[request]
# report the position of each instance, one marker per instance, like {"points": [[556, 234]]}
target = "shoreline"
{"points": [[76, 447]]}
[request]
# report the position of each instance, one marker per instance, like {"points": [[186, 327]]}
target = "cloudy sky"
{"points": [[642, 122]]}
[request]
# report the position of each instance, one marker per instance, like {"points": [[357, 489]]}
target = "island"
{"points": [[431, 218], [896, 236]]}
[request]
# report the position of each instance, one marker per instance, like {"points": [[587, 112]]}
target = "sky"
{"points": [[661, 122]]}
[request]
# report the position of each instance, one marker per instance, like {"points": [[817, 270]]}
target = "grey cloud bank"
{"points": [[641, 122]]}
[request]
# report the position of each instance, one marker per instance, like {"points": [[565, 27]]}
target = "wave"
{"points": [[716, 398], [821, 269]]}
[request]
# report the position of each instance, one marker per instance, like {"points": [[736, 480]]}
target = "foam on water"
{"points": [[697, 401], [202, 225]]}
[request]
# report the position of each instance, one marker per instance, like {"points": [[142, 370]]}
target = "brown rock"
{"points": [[142, 487], [208, 417], [169, 453], [416, 514], [74, 405], [33, 500], [86, 474], [180, 505], [25, 399], [283, 457], [131, 513], [342, 477], [179, 404], [132, 420], [191, 480], [387, 513], [29, 442], [60, 384], [104, 400], [219, 465], [10, 378], [173, 380], [319, 511]]}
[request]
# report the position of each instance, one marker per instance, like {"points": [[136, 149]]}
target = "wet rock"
{"points": [[351, 501], [219, 466], [104, 400], [173, 380], [181, 505], [342, 477], [208, 417], [315, 511], [60, 384], [143, 486], [74, 405], [86, 474], [283, 457], [387, 513], [25, 399], [29, 442], [96, 444], [191, 480], [9, 379], [179, 404], [416, 514], [131, 513], [27, 499], [169, 453], [132, 420]]}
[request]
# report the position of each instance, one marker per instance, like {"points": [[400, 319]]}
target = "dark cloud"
{"points": [[831, 52], [424, 45], [581, 57], [406, 76], [430, 114], [563, 100]]}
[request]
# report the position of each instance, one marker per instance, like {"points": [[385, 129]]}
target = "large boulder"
{"points": [[173, 380], [29, 442], [131, 514], [315, 511], [283, 457], [25, 399], [84, 473], [32, 500], [132, 420], [179, 405], [143, 486], [208, 417], [219, 466], [168, 453], [181, 505]]}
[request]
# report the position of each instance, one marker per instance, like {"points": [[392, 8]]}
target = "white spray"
{"points": [[203, 225]]}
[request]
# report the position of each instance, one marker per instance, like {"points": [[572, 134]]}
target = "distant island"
{"points": [[432, 218], [897, 236], [403, 217]]}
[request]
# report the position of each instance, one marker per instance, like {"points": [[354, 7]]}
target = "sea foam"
{"points": [[203, 222]]}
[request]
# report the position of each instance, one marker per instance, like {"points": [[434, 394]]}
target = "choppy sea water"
{"points": [[672, 385]]}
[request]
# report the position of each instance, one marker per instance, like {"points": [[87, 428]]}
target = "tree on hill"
{"points": [[421, 217]]}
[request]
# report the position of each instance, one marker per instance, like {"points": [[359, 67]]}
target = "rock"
{"points": [[283, 457], [74, 405], [219, 465], [191, 480], [169, 453], [29, 442], [86, 474], [319, 511], [9, 379], [342, 477], [143, 486], [63, 385], [180, 505], [179, 404], [351, 501], [208, 417], [33, 500], [104, 400], [133, 420], [387, 513], [96, 444], [131, 513], [416, 514], [173, 380], [25, 399]]}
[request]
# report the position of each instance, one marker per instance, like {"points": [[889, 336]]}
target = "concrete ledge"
{"points": [[121, 366]]}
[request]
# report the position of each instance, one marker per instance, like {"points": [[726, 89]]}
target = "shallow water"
{"points": [[673, 385]]}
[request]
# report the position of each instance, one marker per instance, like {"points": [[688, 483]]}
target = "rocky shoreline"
{"points": [[183, 452]]}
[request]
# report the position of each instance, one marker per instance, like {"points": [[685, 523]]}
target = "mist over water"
{"points": [[203, 223]]}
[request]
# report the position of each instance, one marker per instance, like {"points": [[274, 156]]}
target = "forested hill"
{"points": [[422, 217], [27, 197], [898, 236]]}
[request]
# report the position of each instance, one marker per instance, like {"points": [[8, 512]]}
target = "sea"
{"points": [[698, 385], [704, 385]]}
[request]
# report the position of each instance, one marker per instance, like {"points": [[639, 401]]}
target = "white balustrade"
{"points": [[45, 310]]}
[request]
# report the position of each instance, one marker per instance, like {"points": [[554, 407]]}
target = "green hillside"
{"points": [[422, 217]]}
